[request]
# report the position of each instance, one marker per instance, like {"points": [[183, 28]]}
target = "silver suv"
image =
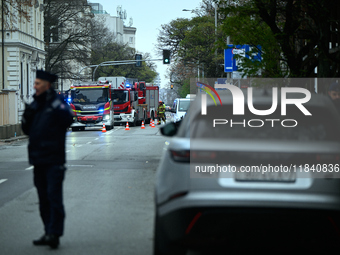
{"points": [[223, 213]]}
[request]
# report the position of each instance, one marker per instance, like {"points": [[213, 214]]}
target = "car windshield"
{"points": [[318, 127], [120, 96], [92, 96], [183, 105]]}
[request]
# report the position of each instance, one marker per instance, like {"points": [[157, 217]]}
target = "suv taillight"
{"points": [[180, 156]]}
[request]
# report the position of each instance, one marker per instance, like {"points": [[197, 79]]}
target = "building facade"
{"points": [[23, 54], [130, 36], [116, 24]]}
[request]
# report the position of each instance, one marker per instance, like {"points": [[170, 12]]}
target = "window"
{"points": [[131, 40], [21, 78], [91, 96], [28, 79]]}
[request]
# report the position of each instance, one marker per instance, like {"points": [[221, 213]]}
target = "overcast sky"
{"points": [[148, 16]]}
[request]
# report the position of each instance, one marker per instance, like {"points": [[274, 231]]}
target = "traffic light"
{"points": [[138, 57], [166, 57], [171, 86]]}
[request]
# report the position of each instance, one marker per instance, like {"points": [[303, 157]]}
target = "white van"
{"points": [[180, 108]]}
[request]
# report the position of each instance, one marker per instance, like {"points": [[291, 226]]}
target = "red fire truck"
{"points": [[92, 105], [133, 103]]}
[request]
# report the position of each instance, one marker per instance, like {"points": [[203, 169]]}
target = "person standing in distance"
{"points": [[160, 112], [45, 121]]}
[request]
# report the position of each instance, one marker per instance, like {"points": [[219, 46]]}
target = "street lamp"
{"points": [[60, 37], [3, 43]]}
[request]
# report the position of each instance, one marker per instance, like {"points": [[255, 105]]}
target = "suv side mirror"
{"points": [[169, 129]]}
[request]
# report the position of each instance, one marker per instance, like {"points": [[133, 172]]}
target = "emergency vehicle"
{"points": [[133, 103], [92, 105]]}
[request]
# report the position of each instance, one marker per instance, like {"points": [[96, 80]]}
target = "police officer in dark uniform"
{"points": [[45, 121]]}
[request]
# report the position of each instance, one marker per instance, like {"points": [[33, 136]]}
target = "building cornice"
{"points": [[24, 45], [19, 31]]}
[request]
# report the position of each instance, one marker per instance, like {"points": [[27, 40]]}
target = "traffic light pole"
{"points": [[121, 62], [114, 63]]}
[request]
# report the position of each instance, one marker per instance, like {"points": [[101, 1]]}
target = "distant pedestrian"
{"points": [[160, 112], [334, 91], [45, 121]]}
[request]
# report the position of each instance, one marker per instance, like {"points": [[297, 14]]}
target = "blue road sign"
{"points": [[231, 64], [228, 60]]}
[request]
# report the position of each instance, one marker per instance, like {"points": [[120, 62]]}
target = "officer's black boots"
{"points": [[53, 241], [50, 240], [40, 241]]}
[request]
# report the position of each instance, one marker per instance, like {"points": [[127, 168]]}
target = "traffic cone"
{"points": [[153, 124], [104, 128], [142, 127], [127, 126]]}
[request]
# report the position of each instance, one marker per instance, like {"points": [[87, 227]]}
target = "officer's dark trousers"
{"points": [[48, 179]]}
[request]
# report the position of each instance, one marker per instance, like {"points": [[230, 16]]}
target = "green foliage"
{"points": [[114, 52], [185, 88], [295, 34], [245, 27], [192, 41]]}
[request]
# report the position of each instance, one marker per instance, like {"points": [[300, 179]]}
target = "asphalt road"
{"points": [[108, 194]]}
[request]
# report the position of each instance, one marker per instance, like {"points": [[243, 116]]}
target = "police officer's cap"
{"points": [[334, 87], [46, 76]]}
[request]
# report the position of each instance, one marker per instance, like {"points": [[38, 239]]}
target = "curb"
{"points": [[13, 139]]}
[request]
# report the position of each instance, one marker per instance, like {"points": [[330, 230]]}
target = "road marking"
{"points": [[80, 165], [65, 151], [29, 168], [79, 146], [88, 142], [96, 139], [2, 180]]}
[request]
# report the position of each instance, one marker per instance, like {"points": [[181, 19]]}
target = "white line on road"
{"points": [[79, 146], [67, 151], [96, 139], [29, 168], [88, 142], [80, 165], [2, 180]]}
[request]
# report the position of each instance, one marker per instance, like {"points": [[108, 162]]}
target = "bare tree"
{"points": [[14, 11], [71, 31]]}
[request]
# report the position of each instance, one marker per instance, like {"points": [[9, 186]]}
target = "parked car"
{"points": [[180, 108], [241, 213]]}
